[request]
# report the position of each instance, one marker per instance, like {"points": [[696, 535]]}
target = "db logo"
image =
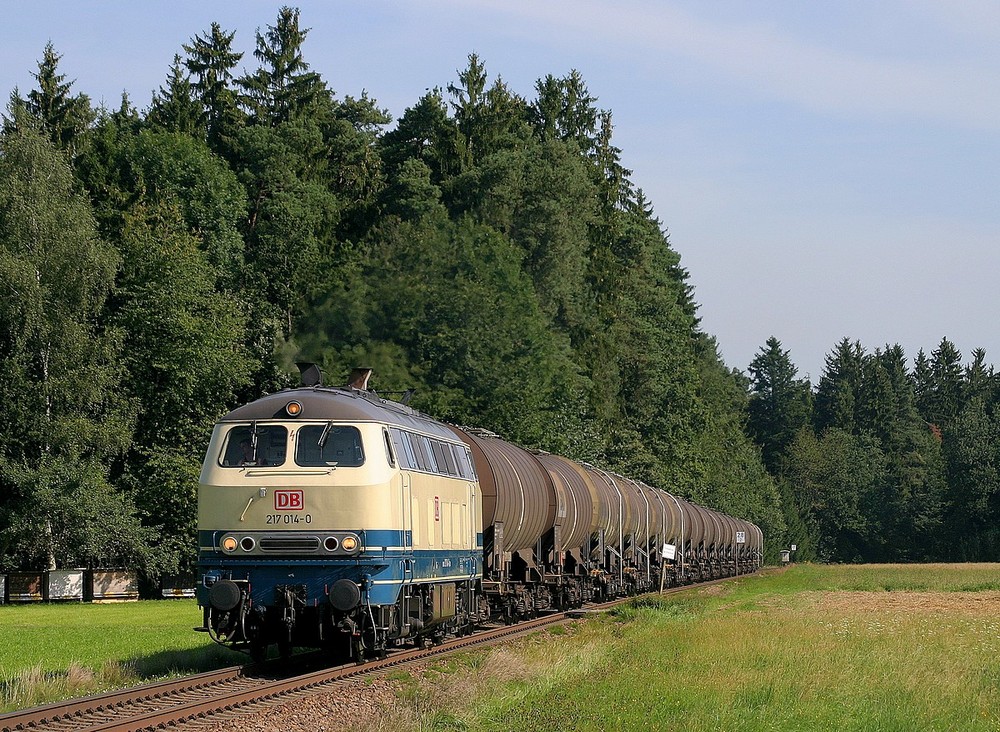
{"points": [[286, 500]]}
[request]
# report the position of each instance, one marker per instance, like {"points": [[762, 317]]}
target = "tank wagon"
{"points": [[334, 518]]}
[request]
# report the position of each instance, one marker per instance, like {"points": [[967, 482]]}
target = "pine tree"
{"points": [[838, 391], [780, 404], [565, 110], [942, 398], [972, 453], [980, 381], [64, 116], [607, 158], [490, 119], [174, 108], [425, 132], [211, 60], [282, 88]]}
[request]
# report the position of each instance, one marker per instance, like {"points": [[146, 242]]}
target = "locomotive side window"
{"points": [[444, 458], [465, 468], [425, 457], [416, 451], [329, 445], [404, 449], [250, 445], [419, 458], [388, 449], [428, 455]]}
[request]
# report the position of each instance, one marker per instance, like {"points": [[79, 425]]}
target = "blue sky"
{"points": [[826, 170]]}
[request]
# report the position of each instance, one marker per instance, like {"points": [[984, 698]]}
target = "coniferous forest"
{"points": [[490, 251]]}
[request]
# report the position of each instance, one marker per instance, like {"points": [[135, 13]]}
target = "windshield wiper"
{"points": [[326, 432], [253, 443]]}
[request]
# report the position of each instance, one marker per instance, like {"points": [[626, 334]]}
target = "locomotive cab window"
{"points": [[329, 445], [249, 445]]}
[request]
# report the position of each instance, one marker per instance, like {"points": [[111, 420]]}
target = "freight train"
{"points": [[330, 517]]}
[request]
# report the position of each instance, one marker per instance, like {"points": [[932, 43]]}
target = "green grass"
{"points": [[876, 648], [53, 651]]}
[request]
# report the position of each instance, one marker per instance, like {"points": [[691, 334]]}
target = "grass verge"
{"points": [[888, 647], [55, 651]]}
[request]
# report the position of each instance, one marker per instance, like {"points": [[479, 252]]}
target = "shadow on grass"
{"points": [[33, 687], [194, 660]]}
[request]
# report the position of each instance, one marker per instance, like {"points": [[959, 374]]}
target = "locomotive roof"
{"points": [[341, 404]]}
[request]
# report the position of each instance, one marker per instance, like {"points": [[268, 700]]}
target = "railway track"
{"points": [[236, 689]]}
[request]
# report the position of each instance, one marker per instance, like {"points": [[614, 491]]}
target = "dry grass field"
{"points": [[810, 648]]}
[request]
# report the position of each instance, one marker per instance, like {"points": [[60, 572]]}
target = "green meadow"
{"points": [[892, 647], [54, 651]]}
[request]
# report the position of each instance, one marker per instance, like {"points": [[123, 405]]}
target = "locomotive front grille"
{"points": [[289, 544]]}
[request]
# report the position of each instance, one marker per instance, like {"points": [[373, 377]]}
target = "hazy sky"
{"points": [[826, 170]]}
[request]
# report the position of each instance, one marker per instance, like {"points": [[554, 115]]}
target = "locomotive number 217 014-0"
{"points": [[273, 519]]}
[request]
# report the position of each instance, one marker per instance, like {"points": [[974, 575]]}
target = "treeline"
{"points": [[161, 266], [880, 462]]}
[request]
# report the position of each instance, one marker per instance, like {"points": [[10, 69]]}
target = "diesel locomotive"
{"points": [[330, 517]]}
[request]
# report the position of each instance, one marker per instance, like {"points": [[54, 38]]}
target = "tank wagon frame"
{"points": [[334, 518]]}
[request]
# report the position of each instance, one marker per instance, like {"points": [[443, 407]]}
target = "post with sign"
{"points": [[668, 553], [741, 538]]}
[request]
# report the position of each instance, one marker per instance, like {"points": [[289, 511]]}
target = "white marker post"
{"points": [[668, 552]]}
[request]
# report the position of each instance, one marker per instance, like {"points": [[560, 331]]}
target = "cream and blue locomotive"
{"points": [[330, 517], [334, 518]]}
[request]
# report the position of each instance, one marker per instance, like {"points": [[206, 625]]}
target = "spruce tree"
{"points": [[282, 88], [174, 108], [63, 115], [943, 396], [211, 60], [780, 404], [838, 392]]}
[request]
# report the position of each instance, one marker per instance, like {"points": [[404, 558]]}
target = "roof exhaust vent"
{"points": [[359, 378], [310, 374]]}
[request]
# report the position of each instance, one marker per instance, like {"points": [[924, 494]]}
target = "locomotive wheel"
{"points": [[358, 650]]}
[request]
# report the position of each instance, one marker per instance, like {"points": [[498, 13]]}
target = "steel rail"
{"points": [[49, 714]]}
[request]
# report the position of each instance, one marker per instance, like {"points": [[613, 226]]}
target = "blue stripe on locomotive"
{"points": [[383, 568]]}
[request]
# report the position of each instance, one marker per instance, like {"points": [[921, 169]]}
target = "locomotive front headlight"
{"points": [[247, 543], [349, 543], [293, 409], [229, 544]]}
